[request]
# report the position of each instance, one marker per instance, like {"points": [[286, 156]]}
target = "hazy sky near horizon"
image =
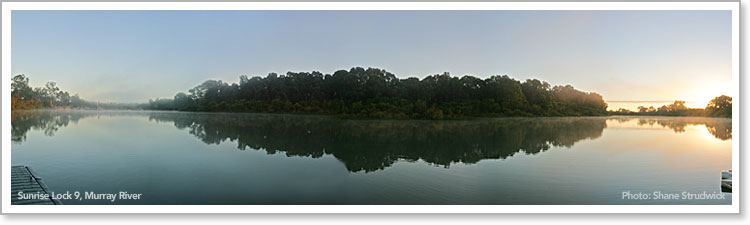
{"points": [[133, 56]]}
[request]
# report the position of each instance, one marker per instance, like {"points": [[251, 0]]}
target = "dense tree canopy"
{"points": [[720, 106], [371, 93], [376, 93]]}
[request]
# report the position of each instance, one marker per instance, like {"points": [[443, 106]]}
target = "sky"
{"points": [[133, 56]]}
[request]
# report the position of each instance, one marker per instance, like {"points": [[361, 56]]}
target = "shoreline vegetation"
{"points": [[718, 107], [370, 93], [25, 97]]}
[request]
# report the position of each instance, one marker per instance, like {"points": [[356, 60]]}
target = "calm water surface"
{"points": [[221, 158]]}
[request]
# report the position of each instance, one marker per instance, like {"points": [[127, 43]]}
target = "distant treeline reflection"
{"points": [[370, 145], [718, 127]]}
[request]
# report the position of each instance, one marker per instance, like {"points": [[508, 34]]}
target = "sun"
{"points": [[701, 97]]}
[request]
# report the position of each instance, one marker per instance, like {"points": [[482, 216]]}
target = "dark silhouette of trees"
{"points": [[370, 93], [718, 107], [376, 93]]}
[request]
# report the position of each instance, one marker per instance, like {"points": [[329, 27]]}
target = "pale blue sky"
{"points": [[132, 56]]}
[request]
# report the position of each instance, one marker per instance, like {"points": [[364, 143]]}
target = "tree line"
{"points": [[720, 106], [371, 93], [24, 97], [376, 93]]}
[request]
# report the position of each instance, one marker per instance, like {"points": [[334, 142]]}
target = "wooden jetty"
{"points": [[24, 179]]}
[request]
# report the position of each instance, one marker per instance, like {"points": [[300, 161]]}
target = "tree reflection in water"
{"points": [[720, 128], [371, 145], [47, 121]]}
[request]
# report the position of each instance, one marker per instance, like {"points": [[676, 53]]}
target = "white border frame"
{"points": [[7, 7]]}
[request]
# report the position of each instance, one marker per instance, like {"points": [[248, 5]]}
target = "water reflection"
{"points": [[371, 145], [720, 128], [47, 121]]}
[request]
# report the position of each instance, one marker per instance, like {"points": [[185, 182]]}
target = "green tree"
{"points": [[720, 106]]}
